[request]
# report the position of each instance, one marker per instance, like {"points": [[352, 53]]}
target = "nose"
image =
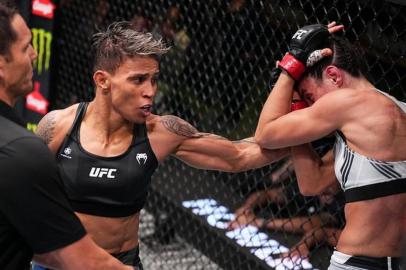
{"points": [[150, 90], [33, 53]]}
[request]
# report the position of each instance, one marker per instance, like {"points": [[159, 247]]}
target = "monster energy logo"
{"points": [[41, 41]]}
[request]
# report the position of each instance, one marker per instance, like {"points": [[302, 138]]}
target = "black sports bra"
{"points": [[106, 186]]}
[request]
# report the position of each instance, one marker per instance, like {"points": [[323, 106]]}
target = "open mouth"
{"points": [[146, 108]]}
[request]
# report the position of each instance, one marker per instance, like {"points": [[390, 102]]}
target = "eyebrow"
{"points": [[28, 41], [136, 75]]}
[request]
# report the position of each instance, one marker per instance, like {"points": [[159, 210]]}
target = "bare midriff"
{"points": [[374, 227], [112, 234]]}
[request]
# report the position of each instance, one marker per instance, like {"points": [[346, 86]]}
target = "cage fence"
{"points": [[217, 78]]}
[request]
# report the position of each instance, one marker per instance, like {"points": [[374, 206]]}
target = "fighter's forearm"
{"points": [[312, 173], [277, 105], [82, 254], [254, 156], [213, 152]]}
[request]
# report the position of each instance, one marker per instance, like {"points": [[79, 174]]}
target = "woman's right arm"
{"points": [[314, 173]]}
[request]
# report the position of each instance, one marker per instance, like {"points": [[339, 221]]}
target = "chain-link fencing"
{"points": [[217, 78]]}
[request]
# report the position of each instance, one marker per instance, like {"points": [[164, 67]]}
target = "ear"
{"points": [[334, 75], [101, 79]]}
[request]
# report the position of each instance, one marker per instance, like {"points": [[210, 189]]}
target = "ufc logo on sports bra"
{"points": [[101, 172], [299, 33]]}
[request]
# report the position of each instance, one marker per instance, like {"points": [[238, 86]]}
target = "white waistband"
{"points": [[340, 257]]}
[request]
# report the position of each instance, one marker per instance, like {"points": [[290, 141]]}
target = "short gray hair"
{"points": [[120, 41]]}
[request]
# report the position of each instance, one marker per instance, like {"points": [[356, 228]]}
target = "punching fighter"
{"points": [[108, 149]]}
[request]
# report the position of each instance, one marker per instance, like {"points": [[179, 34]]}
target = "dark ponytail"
{"points": [[346, 56]]}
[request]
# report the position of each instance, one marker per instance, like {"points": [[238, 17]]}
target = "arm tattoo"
{"points": [[180, 127], [46, 128]]}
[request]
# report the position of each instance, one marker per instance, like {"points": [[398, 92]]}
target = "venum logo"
{"points": [[101, 172], [141, 158]]}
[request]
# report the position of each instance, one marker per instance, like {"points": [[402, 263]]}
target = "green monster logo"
{"points": [[41, 41], [32, 126]]}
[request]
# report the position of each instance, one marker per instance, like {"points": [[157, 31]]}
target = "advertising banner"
{"points": [[41, 24]]}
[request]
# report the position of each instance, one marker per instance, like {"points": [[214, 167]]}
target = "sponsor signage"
{"points": [[43, 8], [41, 41], [36, 104]]}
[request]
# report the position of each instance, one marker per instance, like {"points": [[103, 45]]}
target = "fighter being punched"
{"points": [[369, 157]]}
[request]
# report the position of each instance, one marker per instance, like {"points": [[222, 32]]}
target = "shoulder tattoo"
{"points": [[180, 127], [46, 127]]}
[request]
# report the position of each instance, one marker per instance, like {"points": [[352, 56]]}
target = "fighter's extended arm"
{"points": [[209, 151]]}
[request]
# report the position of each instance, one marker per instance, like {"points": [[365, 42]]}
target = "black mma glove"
{"points": [[304, 42]]}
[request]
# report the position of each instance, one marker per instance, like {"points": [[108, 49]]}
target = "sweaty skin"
{"points": [[373, 125], [167, 135], [122, 99]]}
